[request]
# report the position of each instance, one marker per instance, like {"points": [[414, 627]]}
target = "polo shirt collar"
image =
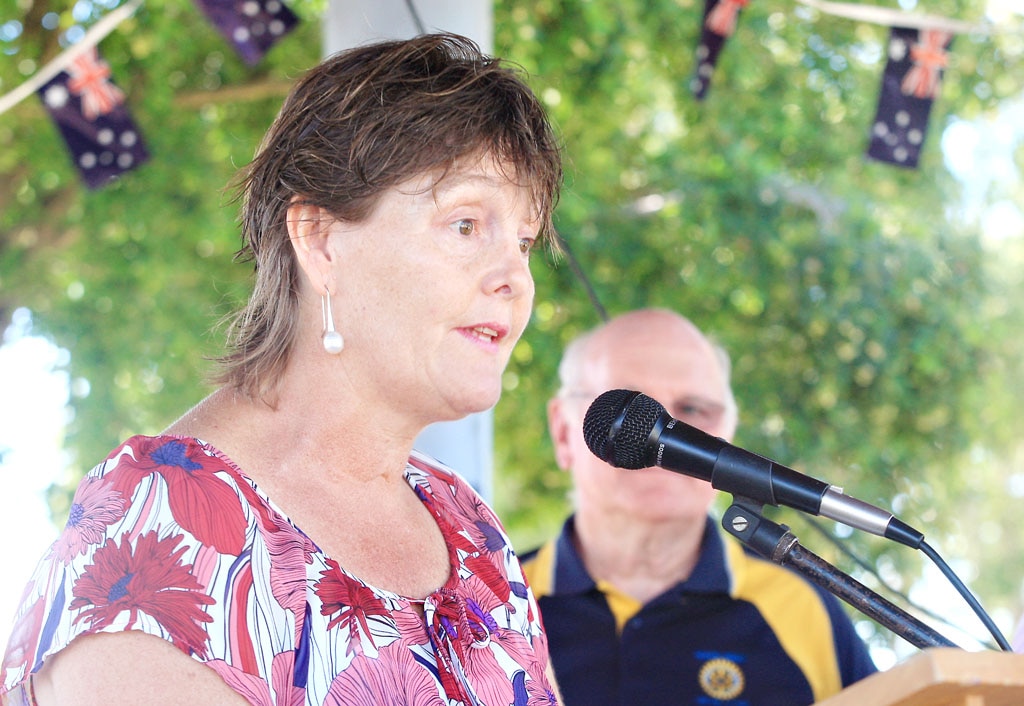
{"points": [[710, 575]]}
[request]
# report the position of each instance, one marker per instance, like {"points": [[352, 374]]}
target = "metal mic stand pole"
{"points": [[743, 520]]}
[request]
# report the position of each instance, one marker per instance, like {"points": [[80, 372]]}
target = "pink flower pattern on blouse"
{"points": [[95, 506], [169, 537]]}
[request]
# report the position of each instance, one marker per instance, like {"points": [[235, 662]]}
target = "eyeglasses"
{"points": [[694, 410]]}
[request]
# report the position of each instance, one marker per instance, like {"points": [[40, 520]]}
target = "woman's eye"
{"points": [[465, 226], [526, 245]]}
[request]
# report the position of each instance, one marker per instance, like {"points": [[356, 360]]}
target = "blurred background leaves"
{"points": [[872, 312]]}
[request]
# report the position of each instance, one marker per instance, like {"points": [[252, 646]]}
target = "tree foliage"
{"points": [[873, 333], [865, 318]]}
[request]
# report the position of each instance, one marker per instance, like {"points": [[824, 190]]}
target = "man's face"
{"points": [[663, 357]]}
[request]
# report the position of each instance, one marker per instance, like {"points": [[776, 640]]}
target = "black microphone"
{"points": [[630, 430]]}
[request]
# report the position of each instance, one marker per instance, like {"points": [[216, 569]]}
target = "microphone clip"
{"points": [[743, 520]]}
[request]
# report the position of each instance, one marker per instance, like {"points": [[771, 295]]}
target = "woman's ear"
{"points": [[308, 229]]}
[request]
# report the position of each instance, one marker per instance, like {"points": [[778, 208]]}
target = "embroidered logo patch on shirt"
{"points": [[721, 678]]}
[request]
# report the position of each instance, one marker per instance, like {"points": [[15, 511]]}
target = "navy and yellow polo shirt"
{"points": [[740, 631]]}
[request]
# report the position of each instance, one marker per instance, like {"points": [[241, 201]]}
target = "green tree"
{"points": [[873, 333]]}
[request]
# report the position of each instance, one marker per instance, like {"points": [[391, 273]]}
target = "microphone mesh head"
{"points": [[617, 426]]}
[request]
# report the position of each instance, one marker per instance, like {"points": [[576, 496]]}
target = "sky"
{"points": [[33, 399]]}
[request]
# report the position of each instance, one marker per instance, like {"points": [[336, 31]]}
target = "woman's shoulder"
{"points": [[207, 494], [164, 452]]}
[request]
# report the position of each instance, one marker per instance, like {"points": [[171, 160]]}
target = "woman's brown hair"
{"points": [[362, 121]]}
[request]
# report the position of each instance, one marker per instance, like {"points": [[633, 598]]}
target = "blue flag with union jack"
{"points": [[90, 113], [252, 26], [910, 84]]}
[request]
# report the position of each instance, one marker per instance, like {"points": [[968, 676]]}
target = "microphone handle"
{"points": [[756, 477], [681, 448]]}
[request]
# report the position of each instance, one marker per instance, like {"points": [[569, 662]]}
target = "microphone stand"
{"points": [[743, 520]]}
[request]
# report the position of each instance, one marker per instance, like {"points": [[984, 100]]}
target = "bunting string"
{"points": [[92, 37], [896, 18], [916, 58], [89, 110]]}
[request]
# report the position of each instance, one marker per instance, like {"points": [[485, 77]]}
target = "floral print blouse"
{"points": [[169, 537]]}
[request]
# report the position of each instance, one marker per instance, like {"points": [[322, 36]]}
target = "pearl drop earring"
{"points": [[333, 341]]}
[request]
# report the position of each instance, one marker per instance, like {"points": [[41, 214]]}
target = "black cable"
{"points": [[864, 565], [578, 271], [420, 28], [967, 595]]}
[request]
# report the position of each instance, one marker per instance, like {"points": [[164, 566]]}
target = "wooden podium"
{"points": [[941, 676]]}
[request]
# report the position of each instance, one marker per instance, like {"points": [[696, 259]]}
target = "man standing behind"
{"points": [[643, 599]]}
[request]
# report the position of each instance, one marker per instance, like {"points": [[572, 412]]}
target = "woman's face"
{"points": [[434, 289]]}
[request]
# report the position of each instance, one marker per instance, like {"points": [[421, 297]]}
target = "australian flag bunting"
{"points": [[718, 25], [252, 26], [911, 82], [90, 113]]}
